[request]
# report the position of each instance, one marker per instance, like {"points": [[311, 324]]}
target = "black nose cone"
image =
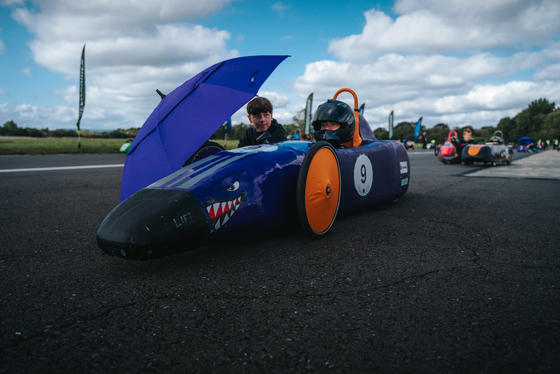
{"points": [[152, 224]]}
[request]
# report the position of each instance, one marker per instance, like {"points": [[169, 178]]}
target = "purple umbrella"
{"points": [[189, 115]]}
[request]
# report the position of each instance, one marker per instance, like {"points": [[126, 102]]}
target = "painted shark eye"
{"points": [[234, 187]]}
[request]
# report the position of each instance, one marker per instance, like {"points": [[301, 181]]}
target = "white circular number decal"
{"points": [[363, 175]]}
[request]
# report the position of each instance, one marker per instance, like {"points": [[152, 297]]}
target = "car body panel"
{"points": [[486, 153], [245, 191]]}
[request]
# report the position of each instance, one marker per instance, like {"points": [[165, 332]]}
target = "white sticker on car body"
{"points": [[404, 167]]}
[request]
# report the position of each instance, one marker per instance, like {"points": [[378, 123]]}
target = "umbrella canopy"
{"points": [[188, 116], [526, 140]]}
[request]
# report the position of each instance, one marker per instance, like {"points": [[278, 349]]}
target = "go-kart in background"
{"points": [[460, 275]]}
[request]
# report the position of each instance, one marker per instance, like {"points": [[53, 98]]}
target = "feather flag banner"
{"points": [[308, 114], [418, 129], [82, 86], [391, 118]]}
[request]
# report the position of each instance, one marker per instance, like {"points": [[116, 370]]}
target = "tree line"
{"points": [[11, 128], [237, 131], [540, 120]]}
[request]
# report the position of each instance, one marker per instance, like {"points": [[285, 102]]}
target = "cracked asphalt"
{"points": [[461, 275]]}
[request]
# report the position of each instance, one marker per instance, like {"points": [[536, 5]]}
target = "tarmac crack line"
{"points": [[325, 294], [439, 189], [526, 267], [476, 254], [372, 290], [64, 326], [110, 310], [439, 222]]}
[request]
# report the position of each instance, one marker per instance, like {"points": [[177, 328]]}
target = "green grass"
{"points": [[231, 144], [51, 146], [45, 146]]}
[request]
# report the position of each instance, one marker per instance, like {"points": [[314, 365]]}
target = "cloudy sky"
{"points": [[457, 62]]}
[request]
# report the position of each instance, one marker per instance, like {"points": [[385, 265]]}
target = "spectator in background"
{"points": [[410, 145]]}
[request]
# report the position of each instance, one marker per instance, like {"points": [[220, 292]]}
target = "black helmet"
{"points": [[496, 139], [335, 111]]}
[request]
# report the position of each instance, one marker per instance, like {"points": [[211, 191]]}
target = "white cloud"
{"points": [[168, 45], [2, 92], [448, 61], [76, 20], [40, 117], [12, 2], [2, 47], [438, 26], [282, 111], [25, 72], [132, 48], [278, 100], [453, 62], [280, 8], [395, 77], [483, 105]]}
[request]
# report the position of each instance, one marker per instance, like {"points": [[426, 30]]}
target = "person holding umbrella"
{"points": [[265, 128]]}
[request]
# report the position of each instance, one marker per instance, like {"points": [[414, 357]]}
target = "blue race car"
{"points": [[257, 189]]}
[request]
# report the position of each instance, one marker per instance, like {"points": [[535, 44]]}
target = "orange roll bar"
{"points": [[357, 139]]}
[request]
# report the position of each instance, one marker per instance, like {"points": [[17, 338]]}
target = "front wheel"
{"points": [[318, 189], [205, 150], [436, 150]]}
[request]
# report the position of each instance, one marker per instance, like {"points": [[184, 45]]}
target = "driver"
{"points": [[334, 121], [495, 140], [467, 139]]}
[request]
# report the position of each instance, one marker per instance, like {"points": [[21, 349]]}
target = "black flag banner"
{"points": [[82, 86]]}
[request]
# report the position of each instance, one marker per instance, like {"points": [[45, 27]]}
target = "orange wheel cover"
{"points": [[474, 149], [322, 190]]}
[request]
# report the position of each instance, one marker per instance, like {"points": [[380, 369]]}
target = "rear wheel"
{"points": [[318, 189]]}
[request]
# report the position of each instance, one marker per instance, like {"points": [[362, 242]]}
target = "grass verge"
{"points": [[52, 146]]}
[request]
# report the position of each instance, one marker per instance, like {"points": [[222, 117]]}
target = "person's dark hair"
{"points": [[259, 105]]}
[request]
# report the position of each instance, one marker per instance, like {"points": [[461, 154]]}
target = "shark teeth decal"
{"points": [[221, 210]]}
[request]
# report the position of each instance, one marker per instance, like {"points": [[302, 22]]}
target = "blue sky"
{"points": [[460, 63]]}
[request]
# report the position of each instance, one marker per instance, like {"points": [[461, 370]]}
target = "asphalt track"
{"points": [[461, 275]]}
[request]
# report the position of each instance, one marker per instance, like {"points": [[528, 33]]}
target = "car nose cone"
{"points": [[153, 223]]}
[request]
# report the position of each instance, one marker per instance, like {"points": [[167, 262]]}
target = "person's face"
{"points": [[467, 136], [261, 121], [329, 125]]}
